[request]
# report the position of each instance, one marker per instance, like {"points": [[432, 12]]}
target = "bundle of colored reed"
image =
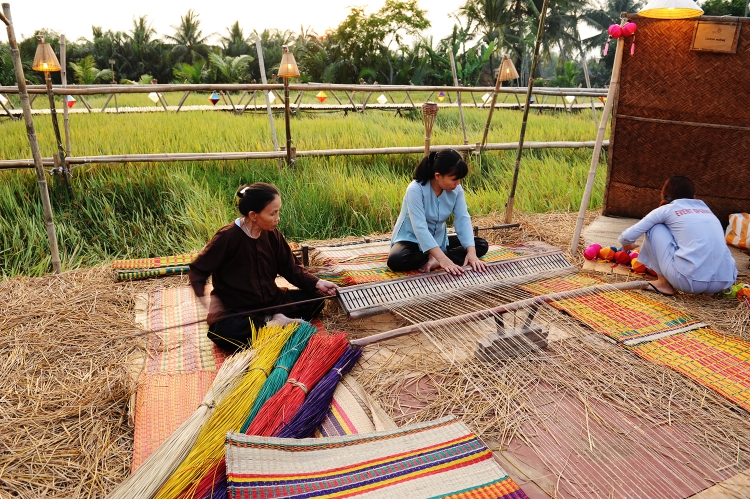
{"points": [[215, 477], [157, 468], [318, 402], [316, 360], [288, 356], [229, 415]]}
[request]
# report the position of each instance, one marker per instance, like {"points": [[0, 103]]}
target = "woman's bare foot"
{"points": [[662, 286], [432, 263], [280, 320]]}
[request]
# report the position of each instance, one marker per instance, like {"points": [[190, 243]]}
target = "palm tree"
{"points": [[235, 44], [190, 44], [230, 69], [492, 20], [190, 73], [86, 72], [601, 18]]}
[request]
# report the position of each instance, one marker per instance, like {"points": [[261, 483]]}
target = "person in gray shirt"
{"points": [[684, 243]]}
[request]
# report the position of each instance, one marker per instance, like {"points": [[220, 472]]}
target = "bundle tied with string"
{"points": [[214, 478], [316, 405], [156, 469], [429, 113], [228, 414], [320, 354]]}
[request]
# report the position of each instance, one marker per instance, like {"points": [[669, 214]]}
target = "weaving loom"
{"points": [[368, 299]]}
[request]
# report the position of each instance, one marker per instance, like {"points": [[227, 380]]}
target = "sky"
{"points": [[74, 18]]}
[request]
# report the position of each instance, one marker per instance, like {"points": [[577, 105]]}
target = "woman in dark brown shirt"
{"points": [[244, 259]]}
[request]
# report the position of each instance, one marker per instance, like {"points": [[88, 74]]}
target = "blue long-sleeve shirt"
{"points": [[702, 253], [423, 215]]}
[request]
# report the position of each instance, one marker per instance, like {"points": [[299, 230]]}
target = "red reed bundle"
{"points": [[321, 354]]}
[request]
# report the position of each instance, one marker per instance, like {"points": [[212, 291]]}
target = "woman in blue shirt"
{"points": [[420, 238], [684, 243]]}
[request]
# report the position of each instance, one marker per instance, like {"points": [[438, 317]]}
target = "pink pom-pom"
{"points": [[592, 251], [615, 31], [628, 29], [633, 254], [622, 257]]}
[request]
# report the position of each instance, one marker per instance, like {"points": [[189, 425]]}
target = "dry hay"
{"points": [[67, 345]]}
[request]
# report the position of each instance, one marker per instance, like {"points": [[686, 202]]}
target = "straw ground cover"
{"points": [[67, 344], [141, 210]]}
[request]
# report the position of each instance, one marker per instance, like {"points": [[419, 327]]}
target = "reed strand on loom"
{"points": [[229, 415], [318, 402], [317, 358], [146, 481]]}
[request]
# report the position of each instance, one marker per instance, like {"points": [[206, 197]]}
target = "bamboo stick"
{"points": [[31, 132], [58, 139], [182, 101], [492, 312], [614, 85], [229, 156], [534, 62], [64, 78], [458, 95], [262, 65]]}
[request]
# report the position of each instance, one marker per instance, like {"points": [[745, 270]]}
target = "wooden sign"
{"points": [[716, 37]]}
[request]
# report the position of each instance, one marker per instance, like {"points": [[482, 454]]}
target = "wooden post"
{"points": [[41, 180], [58, 139], [262, 65], [64, 78], [614, 85], [287, 123], [458, 95], [182, 101], [534, 62]]}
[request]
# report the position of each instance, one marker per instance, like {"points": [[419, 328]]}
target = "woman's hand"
{"points": [[326, 287], [629, 247], [473, 260], [451, 267]]}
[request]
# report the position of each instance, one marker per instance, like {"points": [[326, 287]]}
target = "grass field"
{"points": [[140, 210]]}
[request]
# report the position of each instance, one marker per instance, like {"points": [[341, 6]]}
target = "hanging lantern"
{"points": [[3, 100], [441, 96], [486, 97], [214, 98], [321, 96], [271, 97], [570, 98], [70, 100], [382, 99], [671, 9], [154, 97], [629, 29], [507, 70]]}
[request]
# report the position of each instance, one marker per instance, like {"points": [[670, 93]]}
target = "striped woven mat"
{"points": [[441, 458], [626, 317], [711, 359], [360, 264]]}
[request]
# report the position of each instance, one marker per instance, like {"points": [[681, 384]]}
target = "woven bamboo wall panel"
{"points": [[665, 80]]}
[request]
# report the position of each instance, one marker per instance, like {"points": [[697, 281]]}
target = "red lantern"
{"points": [[615, 31], [628, 29]]}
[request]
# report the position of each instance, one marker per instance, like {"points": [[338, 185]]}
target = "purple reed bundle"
{"points": [[316, 404]]}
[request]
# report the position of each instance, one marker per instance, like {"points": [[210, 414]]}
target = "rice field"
{"points": [[141, 210]]}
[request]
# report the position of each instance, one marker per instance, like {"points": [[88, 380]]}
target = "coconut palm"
{"points": [[86, 72], [190, 44], [235, 43], [190, 73], [230, 69]]}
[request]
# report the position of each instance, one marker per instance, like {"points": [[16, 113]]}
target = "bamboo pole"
{"points": [[588, 85], [230, 156], [458, 95], [64, 78], [182, 100], [41, 180], [262, 65], [58, 139], [534, 62], [614, 85], [498, 84], [493, 312]]}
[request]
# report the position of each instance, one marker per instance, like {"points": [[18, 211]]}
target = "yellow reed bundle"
{"points": [[229, 414]]}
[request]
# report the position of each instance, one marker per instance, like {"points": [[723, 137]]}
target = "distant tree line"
{"points": [[385, 46]]}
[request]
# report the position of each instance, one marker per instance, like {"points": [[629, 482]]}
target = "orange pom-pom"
{"points": [[637, 266], [607, 253], [743, 294]]}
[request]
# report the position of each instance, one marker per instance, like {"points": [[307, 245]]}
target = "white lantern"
{"points": [[3, 100], [154, 97], [570, 98], [271, 97], [382, 99], [486, 97]]}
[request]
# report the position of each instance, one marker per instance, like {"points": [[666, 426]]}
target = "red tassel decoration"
{"points": [[606, 47], [632, 46]]}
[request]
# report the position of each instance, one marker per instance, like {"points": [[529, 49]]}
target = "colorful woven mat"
{"points": [[179, 342], [441, 458], [709, 358], [353, 412], [626, 317], [162, 403], [155, 262], [350, 265]]}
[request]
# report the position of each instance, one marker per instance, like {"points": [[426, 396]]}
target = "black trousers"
{"points": [[235, 332], [405, 255]]}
